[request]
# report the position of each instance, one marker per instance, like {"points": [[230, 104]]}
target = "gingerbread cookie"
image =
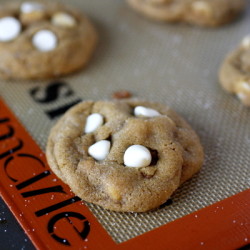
{"points": [[234, 73], [40, 40], [199, 12], [123, 155]]}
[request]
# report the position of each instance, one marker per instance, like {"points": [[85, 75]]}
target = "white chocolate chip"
{"points": [[241, 96], [246, 42], [242, 90], [202, 7], [245, 86], [10, 28], [137, 156], [44, 40], [32, 12], [245, 99], [93, 122], [147, 112], [63, 20], [99, 150], [28, 7]]}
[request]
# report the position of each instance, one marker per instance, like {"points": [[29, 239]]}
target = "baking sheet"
{"points": [[175, 64]]}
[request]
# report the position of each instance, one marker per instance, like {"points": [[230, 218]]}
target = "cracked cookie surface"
{"points": [[234, 74], [50, 40], [176, 154], [199, 12]]}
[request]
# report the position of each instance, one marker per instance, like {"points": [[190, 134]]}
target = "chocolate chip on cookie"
{"points": [[124, 155], [43, 40], [93, 122], [63, 19], [234, 73], [10, 28], [137, 156], [199, 12], [99, 150], [146, 112], [31, 12]]}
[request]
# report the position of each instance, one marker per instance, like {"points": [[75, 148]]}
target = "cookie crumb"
{"points": [[122, 94]]}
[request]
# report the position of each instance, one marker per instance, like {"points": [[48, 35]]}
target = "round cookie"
{"points": [[234, 74], [46, 40], [209, 13], [132, 160]]}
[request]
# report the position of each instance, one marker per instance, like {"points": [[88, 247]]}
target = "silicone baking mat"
{"points": [[175, 64]]}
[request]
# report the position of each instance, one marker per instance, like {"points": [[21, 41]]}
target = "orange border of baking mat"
{"points": [[56, 219]]}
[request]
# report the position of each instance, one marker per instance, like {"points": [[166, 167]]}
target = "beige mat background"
{"points": [[175, 64]]}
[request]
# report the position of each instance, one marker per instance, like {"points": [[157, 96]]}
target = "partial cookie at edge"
{"points": [[210, 13], [234, 73]]}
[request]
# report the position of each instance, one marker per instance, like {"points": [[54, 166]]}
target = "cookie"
{"points": [[43, 40], [124, 155], [234, 74], [209, 13]]}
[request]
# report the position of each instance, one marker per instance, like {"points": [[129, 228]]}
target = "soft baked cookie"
{"points": [[123, 155], [199, 12], [234, 73], [43, 40]]}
